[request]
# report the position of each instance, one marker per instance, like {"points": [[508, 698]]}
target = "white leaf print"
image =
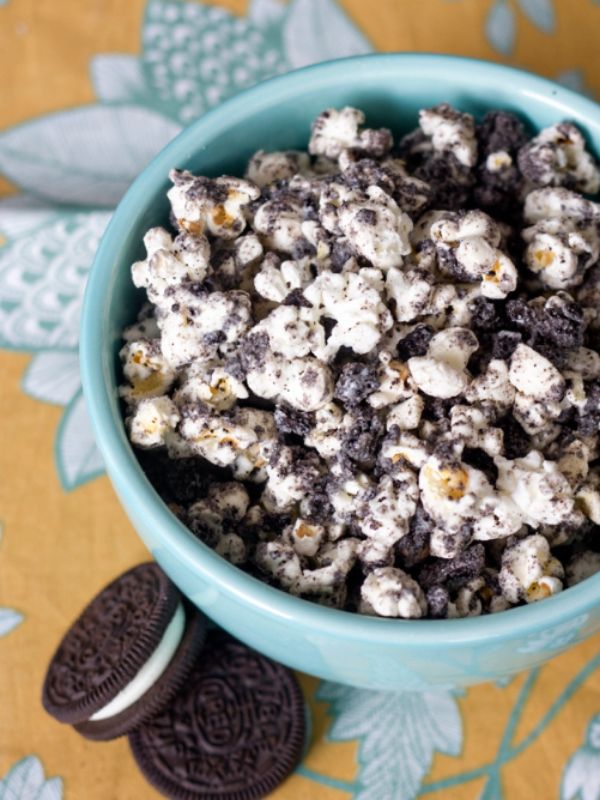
{"points": [[21, 214], [53, 377], [540, 12], [398, 734], [9, 619], [77, 458], [318, 30], [51, 790], [581, 777], [84, 156], [500, 27], [265, 12], [42, 279], [118, 78], [194, 56], [24, 779]]}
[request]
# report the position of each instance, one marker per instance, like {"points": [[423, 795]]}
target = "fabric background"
{"points": [[89, 91]]}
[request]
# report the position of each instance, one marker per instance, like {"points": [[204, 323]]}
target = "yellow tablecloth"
{"points": [[78, 80]]}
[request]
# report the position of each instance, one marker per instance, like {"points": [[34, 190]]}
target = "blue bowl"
{"points": [[348, 648]]}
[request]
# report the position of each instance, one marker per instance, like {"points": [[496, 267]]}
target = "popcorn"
{"points": [[471, 426], [537, 487], [348, 496], [275, 281], [467, 248], [390, 592], [169, 263], [280, 223], [557, 157], [529, 572], [145, 369], [492, 388], [455, 494], [411, 291], [419, 414], [442, 372], [450, 131], [533, 375], [399, 446], [334, 131], [324, 436], [407, 414], [201, 327], [563, 238], [266, 168], [211, 383], [306, 538], [220, 439], [289, 478], [215, 205], [395, 382], [388, 513], [152, 421], [376, 228], [354, 302]]}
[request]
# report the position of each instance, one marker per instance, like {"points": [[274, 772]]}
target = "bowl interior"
{"points": [[277, 115]]}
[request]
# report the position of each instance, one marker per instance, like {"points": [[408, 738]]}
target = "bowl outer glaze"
{"points": [[343, 647]]}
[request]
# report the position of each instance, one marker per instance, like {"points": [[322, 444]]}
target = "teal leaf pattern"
{"points": [[266, 13], [575, 79], [25, 781], [540, 12], [78, 459], [398, 733], [84, 156], [500, 27], [52, 377], [42, 279], [9, 619], [194, 56], [581, 776], [118, 79], [318, 30], [21, 214]]}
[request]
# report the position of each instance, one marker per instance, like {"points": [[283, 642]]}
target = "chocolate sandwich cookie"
{"points": [[235, 732], [125, 657]]}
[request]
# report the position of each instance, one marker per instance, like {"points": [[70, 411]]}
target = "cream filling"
{"points": [[150, 672]]}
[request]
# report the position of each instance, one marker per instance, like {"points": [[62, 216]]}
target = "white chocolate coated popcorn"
{"points": [[442, 372], [334, 131], [265, 168], [152, 421], [390, 592], [450, 131], [216, 206], [394, 354], [147, 372], [377, 228], [563, 236], [468, 244], [557, 157], [529, 572]]}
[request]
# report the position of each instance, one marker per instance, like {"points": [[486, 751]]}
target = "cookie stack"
{"points": [[205, 715]]}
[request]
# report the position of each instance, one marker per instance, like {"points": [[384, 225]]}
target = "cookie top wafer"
{"points": [[125, 656], [234, 733]]}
